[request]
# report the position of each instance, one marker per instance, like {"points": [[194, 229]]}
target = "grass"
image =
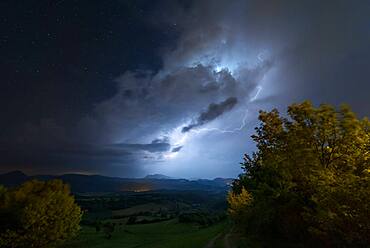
{"points": [[171, 234], [149, 207]]}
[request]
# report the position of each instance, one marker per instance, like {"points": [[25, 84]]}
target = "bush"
{"points": [[108, 229], [38, 214], [201, 218], [309, 180]]}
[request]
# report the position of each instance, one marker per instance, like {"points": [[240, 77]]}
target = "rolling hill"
{"points": [[96, 183]]}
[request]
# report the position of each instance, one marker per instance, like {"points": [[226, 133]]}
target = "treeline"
{"points": [[308, 183], [202, 218], [116, 201], [37, 214]]}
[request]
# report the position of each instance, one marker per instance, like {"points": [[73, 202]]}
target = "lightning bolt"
{"points": [[215, 129], [184, 136], [237, 129], [259, 88], [178, 138]]}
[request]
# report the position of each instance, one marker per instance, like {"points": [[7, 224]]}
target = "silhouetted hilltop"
{"points": [[97, 183], [13, 178], [157, 176]]}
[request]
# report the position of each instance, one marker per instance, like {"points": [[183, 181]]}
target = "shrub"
{"points": [[38, 214]]}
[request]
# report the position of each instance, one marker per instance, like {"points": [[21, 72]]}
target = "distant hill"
{"points": [[157, 176], [13, 178], [96, 183]]}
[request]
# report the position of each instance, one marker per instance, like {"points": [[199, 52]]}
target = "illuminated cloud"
{"points": [[193, 113]]}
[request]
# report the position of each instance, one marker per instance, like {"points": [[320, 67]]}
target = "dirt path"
{"points": [[221, 236], [226, 240], [211, 243]]}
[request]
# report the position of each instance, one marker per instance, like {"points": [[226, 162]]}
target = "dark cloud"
{"points": [[176, 149], [172, 98], [254, 54], [214, 110], [81, 157], [155, 146]]}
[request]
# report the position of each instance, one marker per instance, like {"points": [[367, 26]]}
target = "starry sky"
{"points": [[129, 88]]}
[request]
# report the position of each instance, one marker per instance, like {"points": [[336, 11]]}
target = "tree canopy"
{"points": [[37, 214], [309, 179]]}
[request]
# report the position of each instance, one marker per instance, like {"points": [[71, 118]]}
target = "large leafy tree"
{"points": [[37, 214], [309, 178]]}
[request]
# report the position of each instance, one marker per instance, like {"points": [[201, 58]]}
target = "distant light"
{"points": [[176, 138], [218, 68], [170, 155]]}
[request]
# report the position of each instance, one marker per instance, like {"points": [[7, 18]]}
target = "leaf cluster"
{"points": [[310, 177], [37, 214]]}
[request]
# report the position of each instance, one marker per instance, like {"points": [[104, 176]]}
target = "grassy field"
{"points": [[169, 234], [148, 207]]}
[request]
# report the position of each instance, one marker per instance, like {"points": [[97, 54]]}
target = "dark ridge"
{"points": [[96, 183], [13, 178]]}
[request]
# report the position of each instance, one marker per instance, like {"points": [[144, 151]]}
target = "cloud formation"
{"points": [[264, 54], [214, 110], [230, 57]]}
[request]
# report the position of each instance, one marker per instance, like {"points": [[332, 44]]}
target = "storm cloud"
{"points": [[152, 147], [228, 60], [264, 54], [214, 110]]}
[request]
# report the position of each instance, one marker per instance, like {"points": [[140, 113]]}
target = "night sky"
{"points": [[129, 88]]}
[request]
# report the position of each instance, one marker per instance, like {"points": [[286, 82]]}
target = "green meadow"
{"points": [[171, 234]]}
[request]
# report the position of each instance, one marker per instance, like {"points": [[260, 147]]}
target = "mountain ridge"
{"points": [[157, 176], [98, 183]]}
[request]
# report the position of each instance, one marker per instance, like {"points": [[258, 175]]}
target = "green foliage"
{"points": [[202, 218], [97, 225], [309, 178], [2, 191], [239, 204], [38, 214], [108, 229]]}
